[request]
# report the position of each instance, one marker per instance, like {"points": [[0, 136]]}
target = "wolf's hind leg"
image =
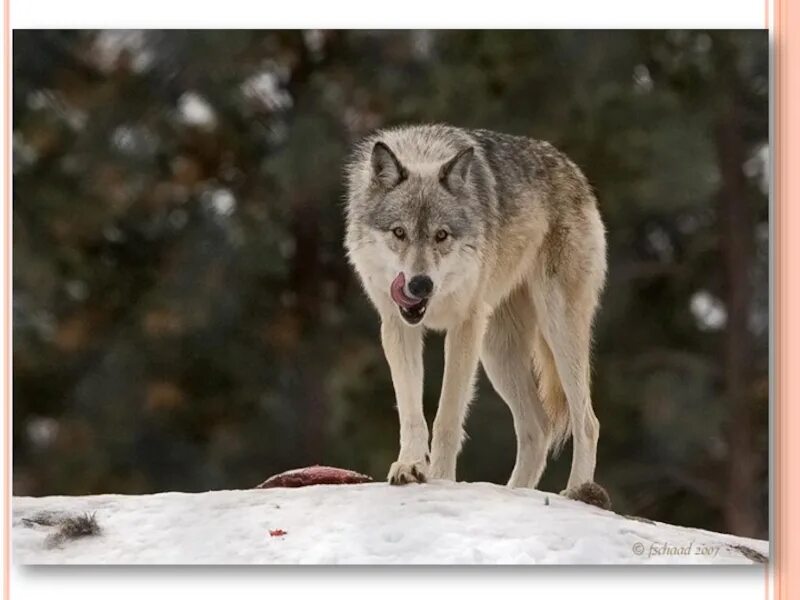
{"points": [[566, 326], [507, 359]]}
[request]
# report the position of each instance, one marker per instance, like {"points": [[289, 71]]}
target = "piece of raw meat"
{"points": [[316, 475]]}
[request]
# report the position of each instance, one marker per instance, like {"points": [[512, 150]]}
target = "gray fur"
{"points": [[508, 229]]}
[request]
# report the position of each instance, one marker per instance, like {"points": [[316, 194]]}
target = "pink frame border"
{"points": [[786, 184]]}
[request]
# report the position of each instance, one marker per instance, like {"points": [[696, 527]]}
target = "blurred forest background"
{"points": [[185, 319]]}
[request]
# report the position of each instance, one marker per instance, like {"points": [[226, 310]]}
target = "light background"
{"points": [[619, 583]]}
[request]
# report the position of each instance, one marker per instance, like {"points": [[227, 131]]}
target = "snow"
{"points": [[708, 311], [221, 201], [433, 523], [110, 44], [194, 110], [265, 87]]}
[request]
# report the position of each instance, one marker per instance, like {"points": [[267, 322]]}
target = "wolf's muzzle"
{"points": [[412, 306]]}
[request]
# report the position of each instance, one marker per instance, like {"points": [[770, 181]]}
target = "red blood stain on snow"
{"points": [[276, 533]]}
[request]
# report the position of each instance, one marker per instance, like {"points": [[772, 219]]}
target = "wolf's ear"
{"points": [[386, 169], [455, 171]]}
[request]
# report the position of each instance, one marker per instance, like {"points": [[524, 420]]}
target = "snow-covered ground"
{"points": [[434, 523]]}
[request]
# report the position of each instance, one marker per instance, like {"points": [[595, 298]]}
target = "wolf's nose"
{"points": [[420, 286]]}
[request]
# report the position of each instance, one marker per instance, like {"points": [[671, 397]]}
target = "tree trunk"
{"points": [[305, 278], [736, 226]]}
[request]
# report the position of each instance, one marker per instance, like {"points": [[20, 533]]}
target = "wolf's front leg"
{"points": [[461, 351], [403, 348]]}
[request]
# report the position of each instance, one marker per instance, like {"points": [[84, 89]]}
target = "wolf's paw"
{"points": [[590, 493], [401, 473]]}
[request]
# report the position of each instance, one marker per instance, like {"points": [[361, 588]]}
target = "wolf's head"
{"points": [[416, 227]]}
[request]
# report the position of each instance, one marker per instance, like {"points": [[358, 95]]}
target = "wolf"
{"points": [[496, 240]]}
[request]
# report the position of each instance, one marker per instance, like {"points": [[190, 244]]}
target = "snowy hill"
{"points": [[435, 523]]}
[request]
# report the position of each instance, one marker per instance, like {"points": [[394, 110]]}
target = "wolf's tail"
{"points": [[552, 395]]}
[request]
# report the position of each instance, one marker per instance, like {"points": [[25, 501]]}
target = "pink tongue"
{"points": [[398, 294]]}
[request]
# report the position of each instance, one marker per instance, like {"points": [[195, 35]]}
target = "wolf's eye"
{"points": [[399, 233], [441, 235]]}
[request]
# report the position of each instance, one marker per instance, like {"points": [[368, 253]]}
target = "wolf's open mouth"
{"points": [[412, 309], [414, 315]]}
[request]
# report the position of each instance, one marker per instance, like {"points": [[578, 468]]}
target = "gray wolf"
{"points": [[497, 240]]}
